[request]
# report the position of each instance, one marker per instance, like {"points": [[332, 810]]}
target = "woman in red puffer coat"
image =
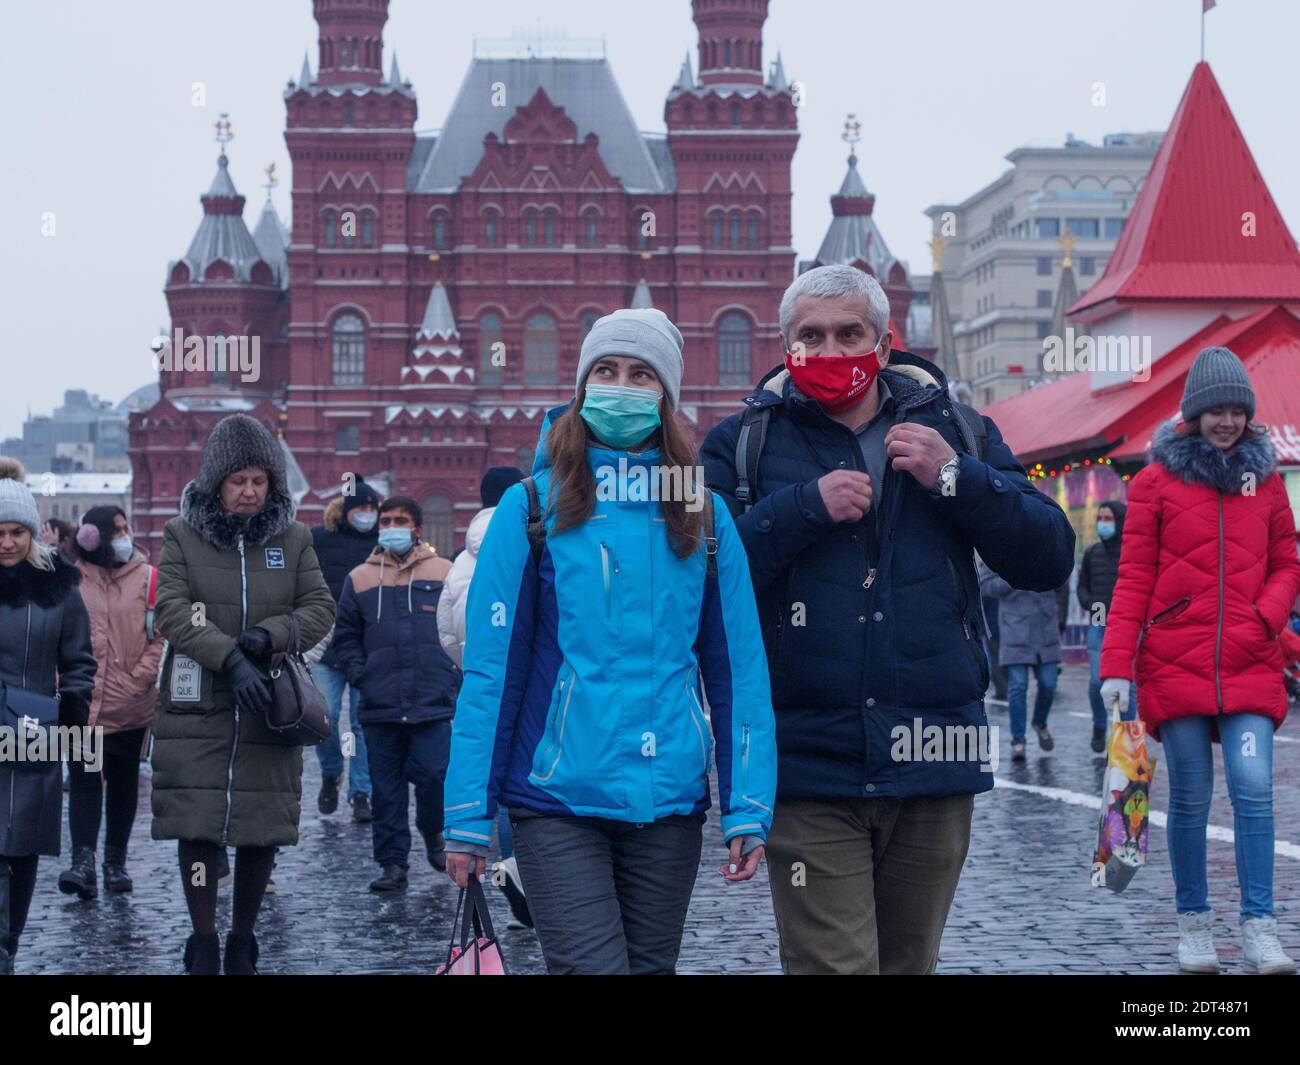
{"points": [[1207, 574]]}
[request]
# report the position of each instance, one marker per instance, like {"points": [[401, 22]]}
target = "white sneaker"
{"points": [[1264, 955], [1196, 943]]}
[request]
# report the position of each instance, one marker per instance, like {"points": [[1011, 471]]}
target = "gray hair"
{"points": [[831, 282]]}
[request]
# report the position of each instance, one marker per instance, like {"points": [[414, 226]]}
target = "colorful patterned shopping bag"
{"points": [[1124, 824]]}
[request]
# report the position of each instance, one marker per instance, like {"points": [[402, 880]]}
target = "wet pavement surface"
{"points": [[1024, 904]]}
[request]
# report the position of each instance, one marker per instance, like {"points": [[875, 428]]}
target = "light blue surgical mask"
{"points": [[363, 520], [621, 417], [1105, 529], [123, 548], [398, 541]]}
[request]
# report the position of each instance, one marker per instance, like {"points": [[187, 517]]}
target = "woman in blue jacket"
{"points": [[581, 707]]}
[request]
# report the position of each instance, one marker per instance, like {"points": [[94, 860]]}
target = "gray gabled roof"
{"points": [[273, 243], [585, 88], [855, 235]]}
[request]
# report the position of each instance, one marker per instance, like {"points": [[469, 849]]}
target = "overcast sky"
{"points": [[100, 128]]}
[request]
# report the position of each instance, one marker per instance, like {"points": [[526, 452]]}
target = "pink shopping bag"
{"points": [[478, 952]]}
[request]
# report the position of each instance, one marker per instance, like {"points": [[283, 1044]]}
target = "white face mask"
{"points": [[363, 520], [123, 548]]}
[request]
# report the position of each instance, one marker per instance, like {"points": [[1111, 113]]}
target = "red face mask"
{"points": [[835, 381]]}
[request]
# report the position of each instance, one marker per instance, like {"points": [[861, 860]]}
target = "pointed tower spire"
{"points": [[686, 79], [778, 80], [945, 355], [438, 323], [305, 78], [641, 298], [394, 73], [1067, 292], [730, 40]]}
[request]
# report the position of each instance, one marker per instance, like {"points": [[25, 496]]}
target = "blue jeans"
{"points": [[400, 756], [1247, 742], [1018, 693], [1093, 636], [330, 753]]}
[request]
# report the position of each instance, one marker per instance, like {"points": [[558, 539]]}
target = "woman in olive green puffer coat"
{"points": [[235, 566]]}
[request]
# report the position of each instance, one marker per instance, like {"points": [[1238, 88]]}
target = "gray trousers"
{"points": [[863, 886], [607, 897]]}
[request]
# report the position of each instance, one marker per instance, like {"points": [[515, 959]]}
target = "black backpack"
{"points": [[753, 434], [536, 528]]}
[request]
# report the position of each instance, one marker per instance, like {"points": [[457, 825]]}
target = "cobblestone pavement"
{"points": [[1024, 904]]}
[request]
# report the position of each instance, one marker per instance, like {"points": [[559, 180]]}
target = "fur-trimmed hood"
{"points": [[1195, 460], [25, 583], [203, 512]]}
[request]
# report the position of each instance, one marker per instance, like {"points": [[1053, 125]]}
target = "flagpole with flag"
{"points": [[1205, 6]]}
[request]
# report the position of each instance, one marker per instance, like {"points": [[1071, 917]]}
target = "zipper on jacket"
{"points": [[1218, 635], [559, 732], [234, 740], [695, 703], [608, 563], [744, 759]]}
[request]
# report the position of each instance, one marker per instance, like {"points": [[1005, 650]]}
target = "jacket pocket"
{"points": [[608, 569], [1268, 632], [554, 750], [1172, 612]]}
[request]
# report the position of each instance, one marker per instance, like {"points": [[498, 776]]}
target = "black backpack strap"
{"points": [[749, 448], [710, 537], [974, 433], [535, 527]]}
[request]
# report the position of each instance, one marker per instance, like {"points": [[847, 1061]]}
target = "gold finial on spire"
{"points": [[852, 134], [271, 180], [224, 134], [434, 257], [1067, 240], [936, 250]]}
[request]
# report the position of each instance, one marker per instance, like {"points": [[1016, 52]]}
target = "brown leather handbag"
{"points": [[299, 713]]}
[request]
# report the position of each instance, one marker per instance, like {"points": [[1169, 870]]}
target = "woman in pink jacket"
{"points": [[115, 585]]}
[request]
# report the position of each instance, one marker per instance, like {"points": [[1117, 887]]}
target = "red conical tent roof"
{"points": [[1184, 239]]}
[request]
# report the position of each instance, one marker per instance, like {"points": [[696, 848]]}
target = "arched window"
{"points": [[489, 334], [735, 115], [584, 326], [348, 350], [492, 229], [368, 230], [347, 113], [733, 349], [440, 230], [541, 342], [735, 229], [550, 227], [530, 228], [715, 230], [589, 228], [331, 229], [221, 376], [727, 53], [753, 231], [440, 524], [343, 53]]}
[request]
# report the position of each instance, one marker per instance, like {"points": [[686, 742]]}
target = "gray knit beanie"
{"points": [[17, 504], [235, 443], [645, 334], [1217, 379]]}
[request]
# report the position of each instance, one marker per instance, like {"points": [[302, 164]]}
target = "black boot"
{"points": [[328, 799], [241, 955], [80, 879], [116, 882], [391, 878], [203, 954]]}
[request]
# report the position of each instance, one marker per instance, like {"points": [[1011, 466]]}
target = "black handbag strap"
{"points": [[295, 636], [472, 917]]}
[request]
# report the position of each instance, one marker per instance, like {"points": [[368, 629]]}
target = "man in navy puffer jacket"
{"points": [[867, 509]]}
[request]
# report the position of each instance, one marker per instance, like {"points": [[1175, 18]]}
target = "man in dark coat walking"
{"points": [[343, 541], [868, 504]]}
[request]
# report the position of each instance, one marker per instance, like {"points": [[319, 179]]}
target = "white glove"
{"points": [[1115, 694]]}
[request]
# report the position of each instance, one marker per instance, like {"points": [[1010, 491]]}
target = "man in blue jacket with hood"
{"points": [[861, 491]]}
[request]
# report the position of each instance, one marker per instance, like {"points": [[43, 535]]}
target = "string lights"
{"points": [[1037, 472]]}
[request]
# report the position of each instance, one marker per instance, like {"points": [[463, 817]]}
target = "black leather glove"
{"points": [[252, 690], [255, 642], [73, 712]]}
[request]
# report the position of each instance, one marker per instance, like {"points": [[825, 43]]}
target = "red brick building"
{"points": [[431, 301]]}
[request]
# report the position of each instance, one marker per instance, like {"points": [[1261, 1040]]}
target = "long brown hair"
{"points": [[574, 499]]}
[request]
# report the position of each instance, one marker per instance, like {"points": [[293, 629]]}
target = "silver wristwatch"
{"points": [[948, 473]]}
